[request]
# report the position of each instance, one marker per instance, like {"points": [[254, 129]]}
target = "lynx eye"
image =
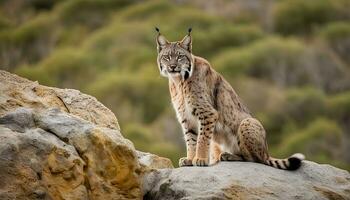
{"points": [[166, 57], [180, 57]]}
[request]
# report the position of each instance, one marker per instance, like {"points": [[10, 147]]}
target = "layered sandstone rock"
{"points": [[62, 144], [18, 92]]}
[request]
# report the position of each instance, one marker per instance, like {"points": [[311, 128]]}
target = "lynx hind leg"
{"points": [[225, 156], [252, 140]]}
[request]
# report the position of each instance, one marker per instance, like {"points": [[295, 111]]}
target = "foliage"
{"points": [[140, 92], [337, 36], [299, 16], [73, 71], [319, 141], [339, 106], [27, 43], [285, 62], [89, 12]]}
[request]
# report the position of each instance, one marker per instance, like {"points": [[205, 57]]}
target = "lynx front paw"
{"points": [[183, 162], [200, 162]]}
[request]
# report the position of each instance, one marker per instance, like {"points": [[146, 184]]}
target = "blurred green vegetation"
{"points": [[287, 59]]}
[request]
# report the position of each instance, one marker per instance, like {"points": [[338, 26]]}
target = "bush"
{"points": [[145, 11], [65, 68], [321, 141], [139, 97], [265, 58], [27, 43], [337, 36], [300, 16], [303, 105], [91, 13], [38, 27], [339, 107], [5, 23], [285, 62], [224, 36], [42, 4], [289, 111], [123, 47]]}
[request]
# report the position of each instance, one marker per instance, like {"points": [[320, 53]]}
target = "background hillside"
{"points": [[289, 60]]}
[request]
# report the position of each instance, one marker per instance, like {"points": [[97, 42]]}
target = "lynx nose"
{"points": [[172, 67]]}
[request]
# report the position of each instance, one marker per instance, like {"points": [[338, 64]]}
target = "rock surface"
{"points": [[52, 155], [18, 92], [243, 180], [62, 144], [153, 161]]}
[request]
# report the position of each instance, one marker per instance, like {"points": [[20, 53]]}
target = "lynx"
{"points": [[217, 126]]}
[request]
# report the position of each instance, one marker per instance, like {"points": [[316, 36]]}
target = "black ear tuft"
{"points": [[186, 75], [189, 30], [157, 29]]}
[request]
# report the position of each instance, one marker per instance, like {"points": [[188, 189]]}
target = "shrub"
{"points": [[300, 16], [42, 4], [224, 36], [65, 68], [304, 104], [33, 29], [146, 10], [91, 13], [285, 62], [134, 96], [123, 46], [27, 43], [5, 23], [321, 141], [339, 107], [337, 36], [264, 58]]}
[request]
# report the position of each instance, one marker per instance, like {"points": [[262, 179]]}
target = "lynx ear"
{"points": [[187, 41], [161, 40]]}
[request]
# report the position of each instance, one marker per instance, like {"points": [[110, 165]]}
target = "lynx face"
{"points": [[175, 58]]}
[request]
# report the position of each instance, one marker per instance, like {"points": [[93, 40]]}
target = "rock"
{"points": [[54, 155], [18, 92], [153, 161], [245, 180], [62, 144]]}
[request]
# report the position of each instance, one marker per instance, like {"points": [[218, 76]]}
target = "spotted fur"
{"points": [[214, 120]]}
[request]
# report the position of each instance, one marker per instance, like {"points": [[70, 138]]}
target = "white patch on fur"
{"points": [[299, 156], [223, 136]]}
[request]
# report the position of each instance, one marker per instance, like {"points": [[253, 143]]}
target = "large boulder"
{"points": [[246, 180], [62, 144], [53, 155], [18, 92]]}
